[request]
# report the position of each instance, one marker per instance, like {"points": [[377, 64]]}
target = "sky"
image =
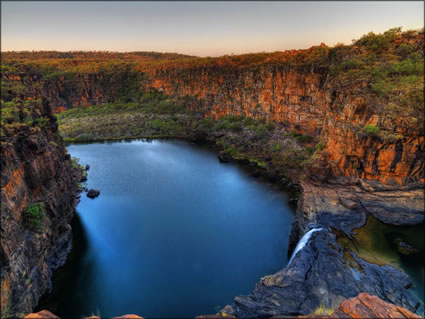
{"points": [[197, 28]]}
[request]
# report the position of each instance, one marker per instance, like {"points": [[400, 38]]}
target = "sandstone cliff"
{"points": [[364, 101], [38, 194]]}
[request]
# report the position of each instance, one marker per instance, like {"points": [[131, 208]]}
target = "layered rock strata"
{"points": [[37, 177]]}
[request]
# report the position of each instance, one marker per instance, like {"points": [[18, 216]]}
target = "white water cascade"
{"points": [[303, 241]]}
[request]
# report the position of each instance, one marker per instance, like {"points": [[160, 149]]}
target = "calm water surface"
{"points": [[173, 233]]}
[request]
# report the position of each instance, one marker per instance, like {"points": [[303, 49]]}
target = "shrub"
{"points": [[42, 122], [319, 146], [75, 162], [379, 42], [383, 87], [33, 214], [404, 50], [276, 147], [233, 118], [350, 65], [303, 138], [248, 121], [261, 131], [270, 126], [406, 67], [310, 150], [206, 124], [370, 129], [236, 127]]}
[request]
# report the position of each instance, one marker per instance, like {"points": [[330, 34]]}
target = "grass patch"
{"points": [[323, 311]]}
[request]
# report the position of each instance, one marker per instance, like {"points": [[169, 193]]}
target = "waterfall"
{"points": [[303, 241]]}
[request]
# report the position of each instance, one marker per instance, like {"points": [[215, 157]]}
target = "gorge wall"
{"points": [[325, 92], [38, 195], [314, 104]]}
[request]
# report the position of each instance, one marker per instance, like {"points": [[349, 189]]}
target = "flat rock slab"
{"points": [[345, 204]]}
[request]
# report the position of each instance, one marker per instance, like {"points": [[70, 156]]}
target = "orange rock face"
{"points": [[367, 306], [307, 101]]}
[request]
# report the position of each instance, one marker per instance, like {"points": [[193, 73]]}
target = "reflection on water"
{"points": [[173, 233]]}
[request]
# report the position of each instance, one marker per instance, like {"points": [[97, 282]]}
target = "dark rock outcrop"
{"points": [[93, 193], [323, 273], [405, 249], [345, 203], [35, 170]]}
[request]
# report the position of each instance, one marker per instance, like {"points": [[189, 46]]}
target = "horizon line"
{"points": [[419, 29]]}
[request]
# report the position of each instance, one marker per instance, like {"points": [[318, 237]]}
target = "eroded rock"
{"points": [[367, 306]]}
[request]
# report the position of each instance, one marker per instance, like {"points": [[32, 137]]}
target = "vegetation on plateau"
{"points": [[391, 66]]}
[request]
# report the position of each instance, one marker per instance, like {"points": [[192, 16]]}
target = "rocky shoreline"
{"points": [[361, 306], [323, 272]]}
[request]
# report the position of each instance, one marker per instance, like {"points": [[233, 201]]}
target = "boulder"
{"points": [[43, 314], [367, 306], [404, 248], [92, 193]]}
